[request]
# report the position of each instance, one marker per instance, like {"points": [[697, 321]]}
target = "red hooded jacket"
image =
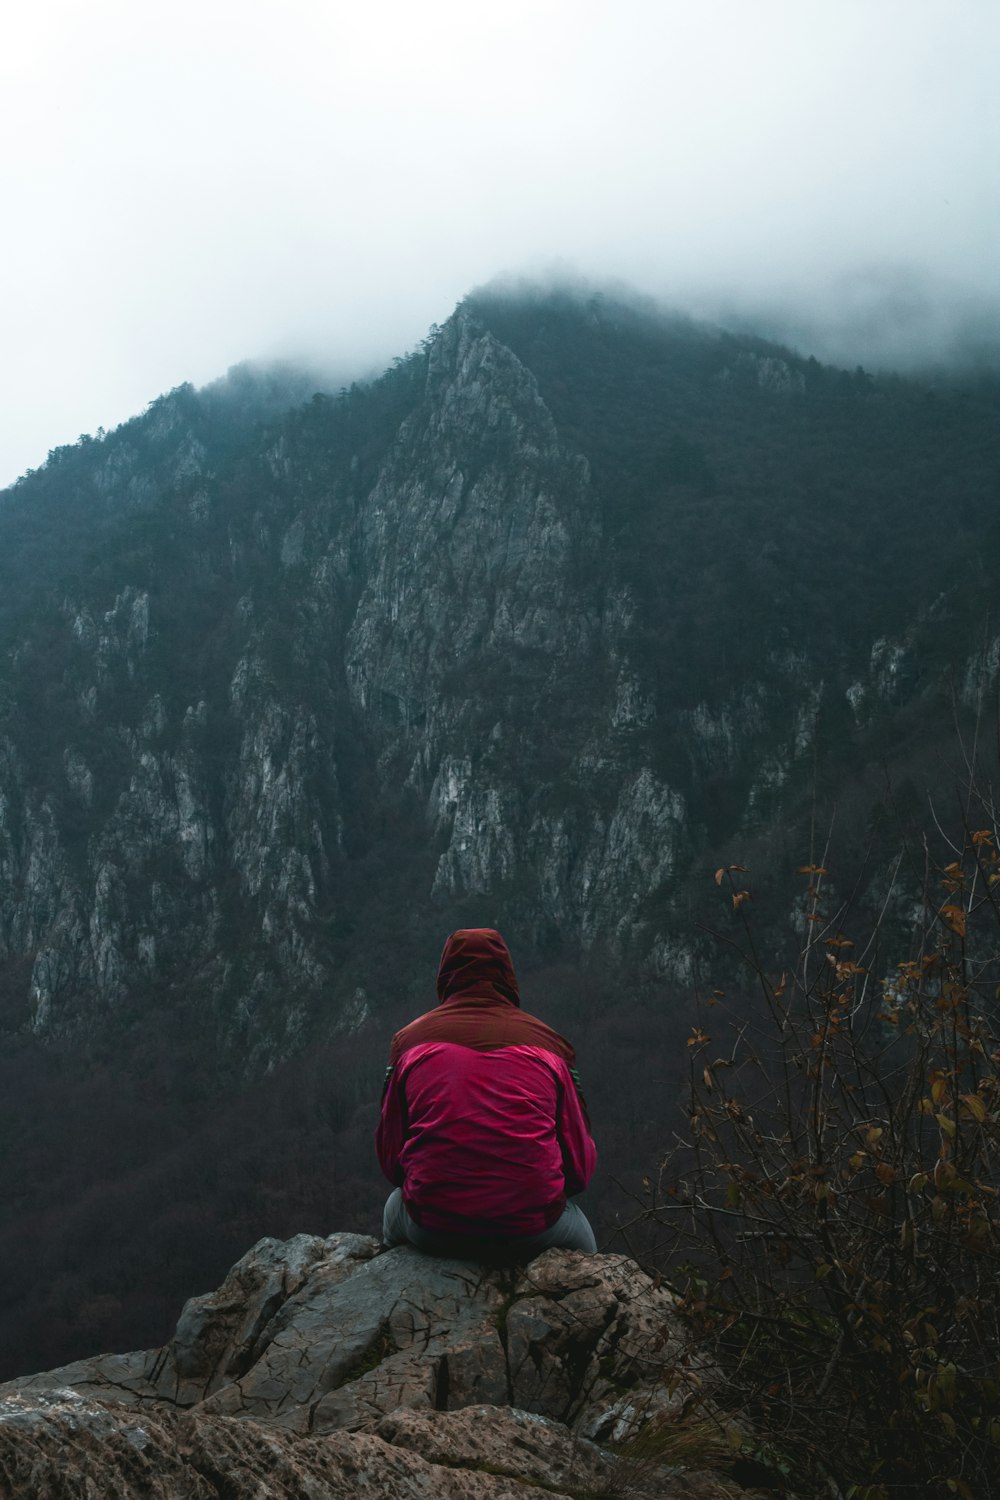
{"points": [[483, 1124]]}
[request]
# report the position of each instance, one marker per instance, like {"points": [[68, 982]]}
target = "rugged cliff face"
{"points": [[432, 642], [572, 606], [424, 619]]}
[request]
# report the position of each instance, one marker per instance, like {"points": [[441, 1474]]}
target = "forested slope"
{"points": [[575, 604]]}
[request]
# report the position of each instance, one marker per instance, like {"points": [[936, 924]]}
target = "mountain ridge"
{"points": [[568, 609]]}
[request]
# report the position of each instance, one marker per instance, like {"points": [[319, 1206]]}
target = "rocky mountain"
{"points": [[327, 1368], [324, 641], [576, 603]]}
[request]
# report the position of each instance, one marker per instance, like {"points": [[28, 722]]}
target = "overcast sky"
{"points": [[190, 185]]}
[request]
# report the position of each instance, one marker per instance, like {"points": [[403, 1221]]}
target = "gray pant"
{"points": [[571, 1231]]}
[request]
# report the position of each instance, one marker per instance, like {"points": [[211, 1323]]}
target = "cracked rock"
{"points": [[323, 1367]]}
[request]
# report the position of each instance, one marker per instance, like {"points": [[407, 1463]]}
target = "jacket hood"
{"points": [[476, 962]]}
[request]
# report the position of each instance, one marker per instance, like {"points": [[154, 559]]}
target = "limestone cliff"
{"points": [[529, 631], [433, 636], [574, 605]]}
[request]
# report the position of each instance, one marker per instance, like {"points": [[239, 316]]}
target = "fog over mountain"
{"points": [[885, 318], [882, 317], [315, 182]]}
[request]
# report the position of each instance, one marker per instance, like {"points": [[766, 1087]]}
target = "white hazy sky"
{"points": [[186, 186]]}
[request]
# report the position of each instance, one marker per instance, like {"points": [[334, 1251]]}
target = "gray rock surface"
{"points": [[327, 1367]]}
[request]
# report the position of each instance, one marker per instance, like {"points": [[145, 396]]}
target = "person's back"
{"points": [[483, 1127]]}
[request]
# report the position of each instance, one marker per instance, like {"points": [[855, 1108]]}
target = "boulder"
{"points": [[323, 1367]]}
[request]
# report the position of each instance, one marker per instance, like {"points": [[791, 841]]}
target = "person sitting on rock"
{"points": [[483, 1128]]}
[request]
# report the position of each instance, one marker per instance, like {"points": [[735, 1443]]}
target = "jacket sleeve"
{"points": [[392, 1130], [579, 1153]]}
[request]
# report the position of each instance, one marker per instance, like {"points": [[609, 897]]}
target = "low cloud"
{"points": [[327, 181]]}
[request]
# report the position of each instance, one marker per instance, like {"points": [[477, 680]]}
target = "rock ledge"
{"points": [[329, 1367]]}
